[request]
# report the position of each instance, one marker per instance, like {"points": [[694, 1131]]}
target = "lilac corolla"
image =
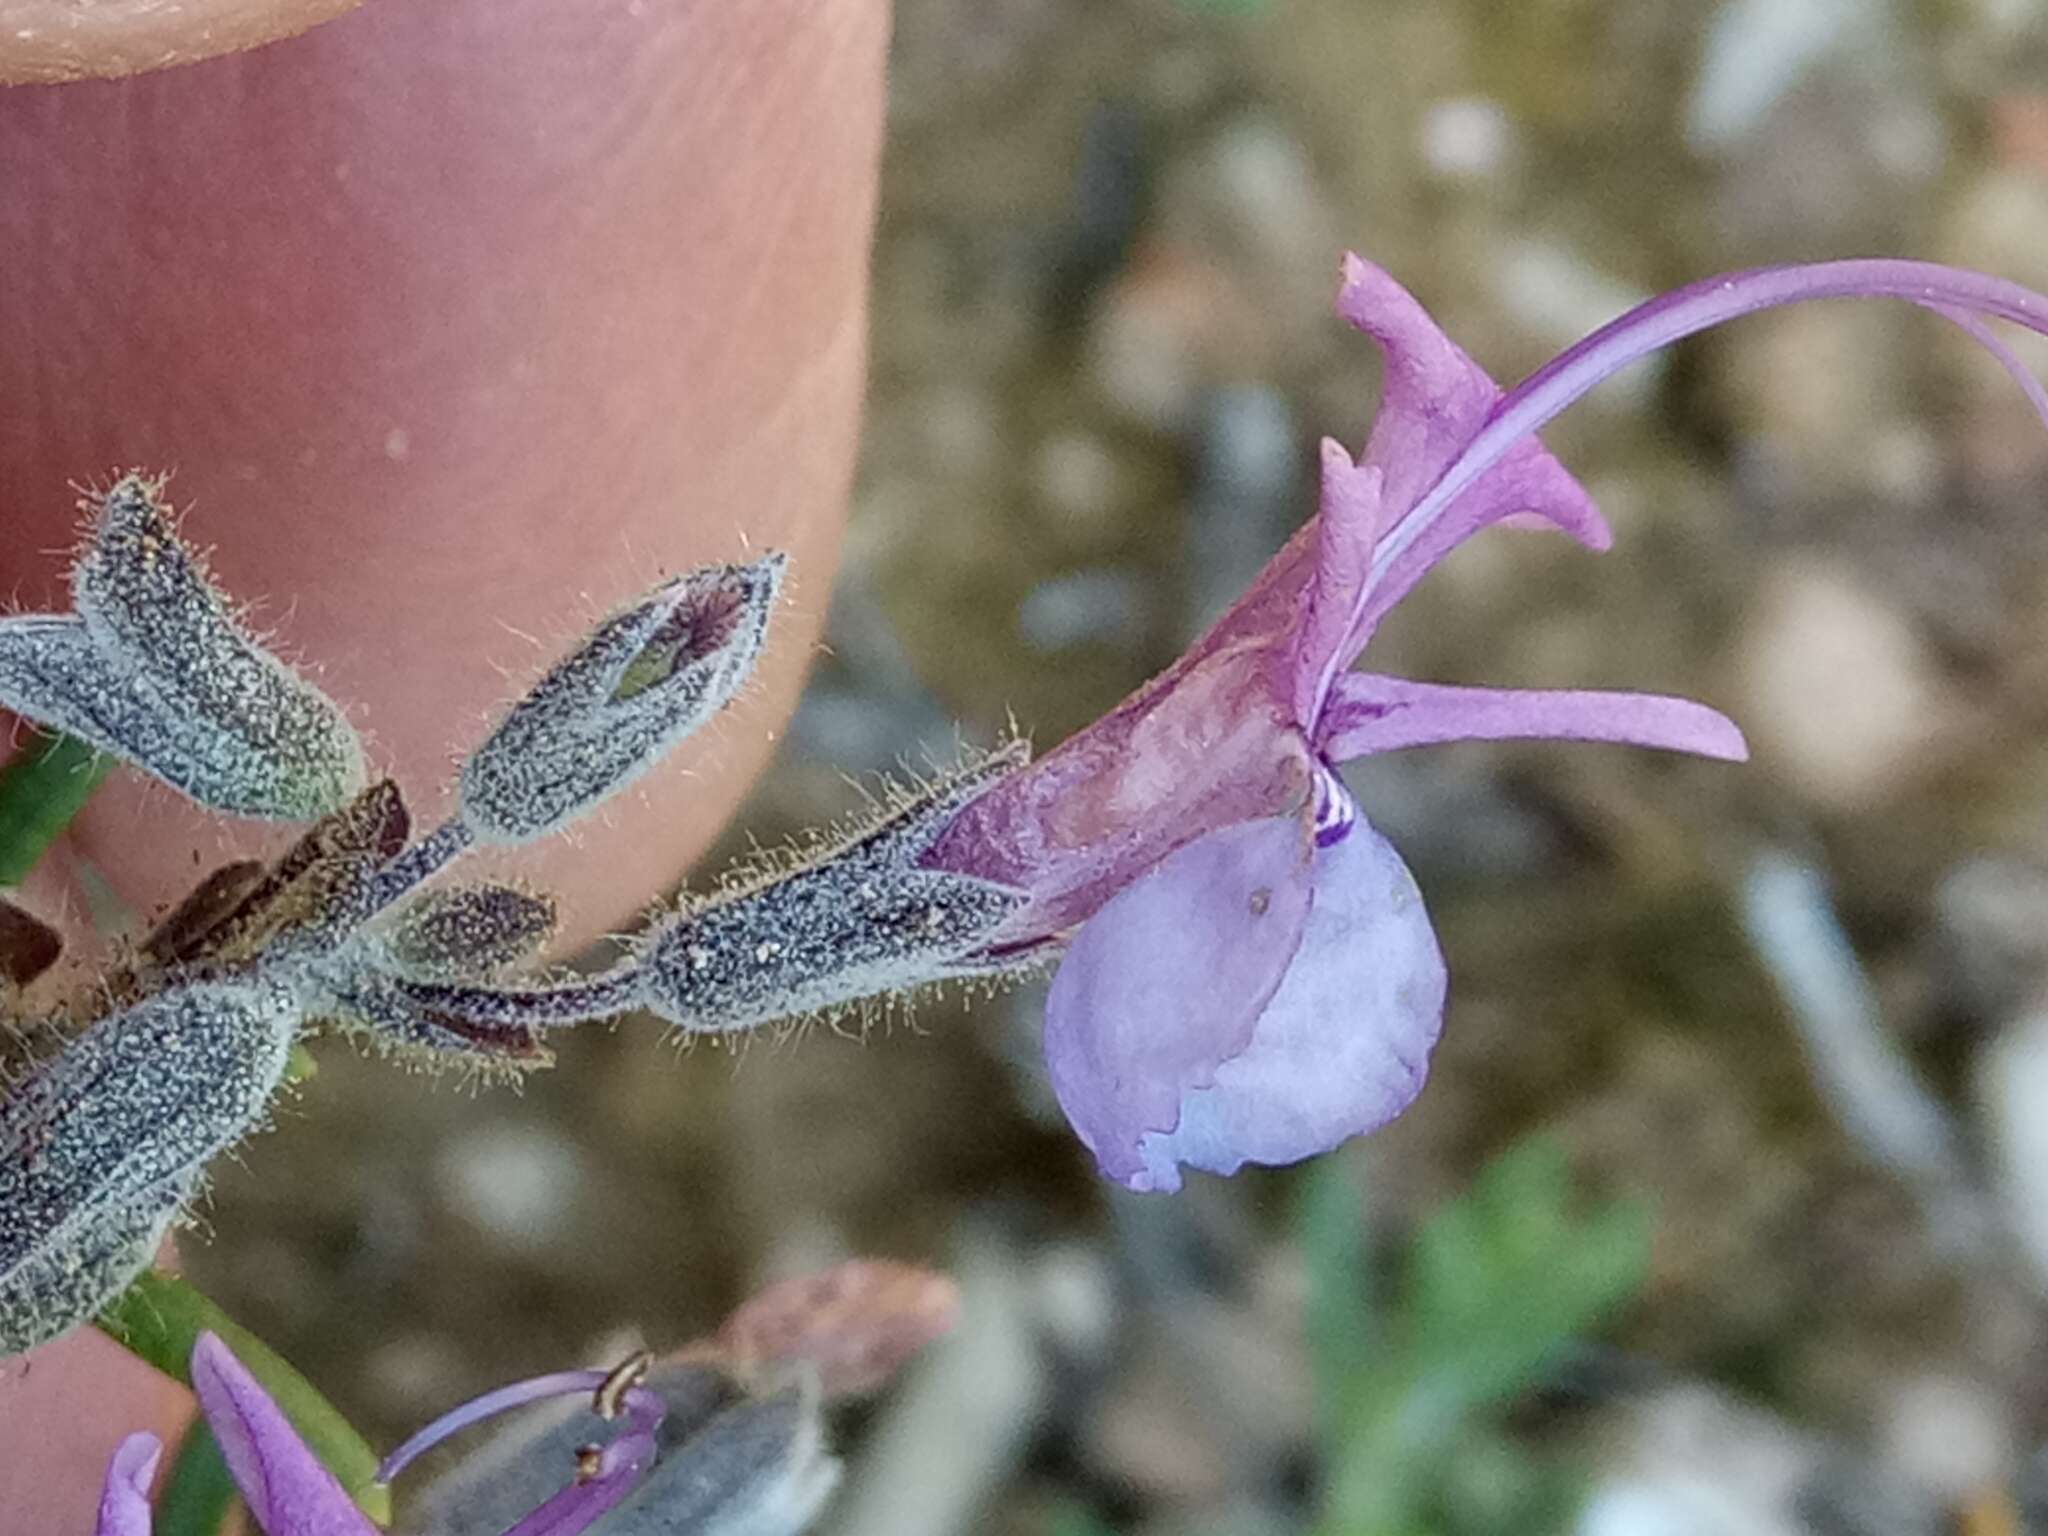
{"points": [[685, 1451], [722, 1438], [1249, 973]]}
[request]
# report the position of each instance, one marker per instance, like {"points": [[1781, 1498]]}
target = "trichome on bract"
{"points": [[176, 1053]]}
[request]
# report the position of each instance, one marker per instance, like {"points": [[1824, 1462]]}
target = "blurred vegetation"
{"points": [[1415, 1381], [1497, 1287]]}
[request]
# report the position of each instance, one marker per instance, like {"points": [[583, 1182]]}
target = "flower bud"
{"points": [[468, 930], [644, 679]]}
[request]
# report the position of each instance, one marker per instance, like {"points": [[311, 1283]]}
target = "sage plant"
{"points": [[177, 1053], [1246, 970]]}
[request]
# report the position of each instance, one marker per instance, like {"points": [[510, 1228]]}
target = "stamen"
{"points": [[535, 1389], [625, 1376]]}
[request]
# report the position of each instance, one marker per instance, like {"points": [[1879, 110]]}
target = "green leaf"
{"points": [[300, 1066], [199, 1490], [1499, 1283], [1340, 1323], [1503, 1279], [40, 791], [1495, 1485], [1076, 1520], [160, 1317]]}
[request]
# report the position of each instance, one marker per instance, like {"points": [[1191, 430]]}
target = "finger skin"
{"points": [[52, 40], [66, 1406], [459, 321]]}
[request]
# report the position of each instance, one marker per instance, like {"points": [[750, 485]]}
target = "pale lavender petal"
{"points": [[1343, 1046], [124, 1502], [1166, 981], [1948, 291], [1434, 399], [284, 1484], [1368, 713]]}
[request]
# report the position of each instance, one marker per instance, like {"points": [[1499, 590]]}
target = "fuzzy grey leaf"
{"points": [[643, 680], [71, 1280], [138, 1103], [469, 930], [168, 679], [858, 921]]}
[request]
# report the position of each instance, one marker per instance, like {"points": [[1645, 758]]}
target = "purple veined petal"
{"points": [[1165, 982], [284, 1484], [1368, 713], [1435, 398], [124, 1502], [1343, 1046], [1348, 520], [1948, 291], [1210, 743]]}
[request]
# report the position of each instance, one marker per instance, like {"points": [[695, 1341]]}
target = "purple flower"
{"points": [[760, 1453], [724, 1436], [1250, 975]]}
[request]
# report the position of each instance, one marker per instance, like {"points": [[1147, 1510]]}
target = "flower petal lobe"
{"points": [[124, 1502], [1163, 985], [1344, 1044], [1434, 401], [1369, 713]]}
